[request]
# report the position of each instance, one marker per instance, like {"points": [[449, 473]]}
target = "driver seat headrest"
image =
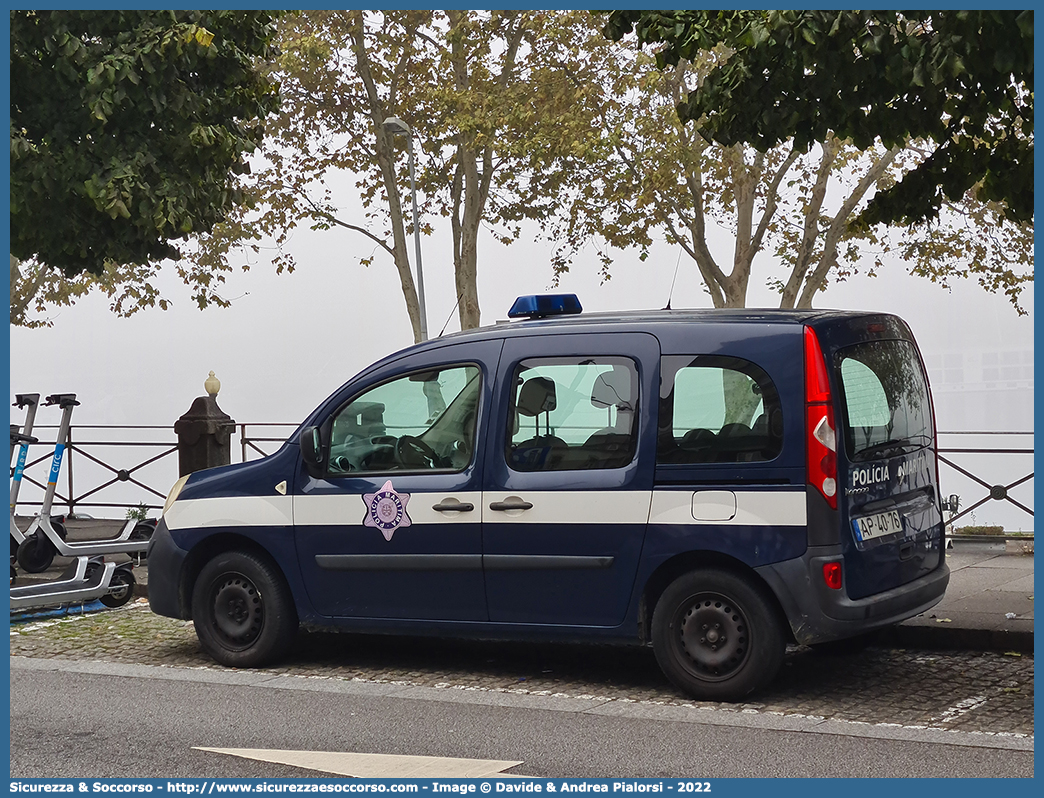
{"points": [[537, 396]]}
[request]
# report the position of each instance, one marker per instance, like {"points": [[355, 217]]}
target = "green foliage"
{"points": [[130, 130], [36, 289], [139, 513], [962, 80], [979, 530]]}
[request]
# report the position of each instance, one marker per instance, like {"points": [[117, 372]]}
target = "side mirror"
{"points": [[312, 451]]}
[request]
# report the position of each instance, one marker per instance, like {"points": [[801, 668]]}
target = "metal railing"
{"points": [[249, 443], [137, 462], [111, 463], [102, 460], [999, 491]]}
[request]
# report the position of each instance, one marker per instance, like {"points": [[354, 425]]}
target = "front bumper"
{"points": [[165, 562], [818, 614]]}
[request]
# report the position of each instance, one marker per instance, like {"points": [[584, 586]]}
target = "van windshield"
{"points": [[884, 397]]}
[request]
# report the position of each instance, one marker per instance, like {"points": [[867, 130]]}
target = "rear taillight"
{"points": [[821, 438]]}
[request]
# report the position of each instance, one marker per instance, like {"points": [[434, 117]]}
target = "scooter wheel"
{"points": [[35, 553], [143, 530], [121, 590]]}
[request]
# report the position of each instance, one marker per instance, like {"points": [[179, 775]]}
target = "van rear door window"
{"points": [[717, 409], [884, 398]]}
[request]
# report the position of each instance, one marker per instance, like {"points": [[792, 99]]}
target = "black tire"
{"points": [[243, 610], [121, 589], [143, 530], [35, 553], [716, 636], [58, 525]]}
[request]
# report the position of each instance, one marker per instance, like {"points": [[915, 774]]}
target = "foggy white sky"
{"points": [[289, 340]]}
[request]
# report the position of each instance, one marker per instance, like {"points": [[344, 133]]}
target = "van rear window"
{"points": [[884, 397]]}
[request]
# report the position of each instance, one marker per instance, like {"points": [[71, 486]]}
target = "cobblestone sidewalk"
{"points": [[982, 692]]}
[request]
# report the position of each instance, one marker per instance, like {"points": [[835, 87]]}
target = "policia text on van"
{"points": [[717, 483]]}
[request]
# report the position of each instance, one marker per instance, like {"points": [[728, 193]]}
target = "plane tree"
{"points": [[961, 80], [129, 133], [794, 207], [497, 126]]}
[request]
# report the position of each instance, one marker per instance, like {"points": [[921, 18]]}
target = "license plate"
{"points": [[876, 526]]}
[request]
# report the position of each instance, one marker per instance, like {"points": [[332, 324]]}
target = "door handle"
{"points": [[517, 504], [454, 506]]}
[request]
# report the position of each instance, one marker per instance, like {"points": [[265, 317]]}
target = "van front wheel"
{"points": [[242, 610], [716, 636]]}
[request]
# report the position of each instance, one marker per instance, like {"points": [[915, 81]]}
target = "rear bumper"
{"points": [[817, 614], [165, 564]]}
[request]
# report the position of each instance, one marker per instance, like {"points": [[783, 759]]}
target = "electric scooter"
{"points": [[21, 438], [43, 539], [86, 579], [16, 534]]}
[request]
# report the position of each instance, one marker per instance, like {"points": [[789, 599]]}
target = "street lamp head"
{"points": [[397, 126]]}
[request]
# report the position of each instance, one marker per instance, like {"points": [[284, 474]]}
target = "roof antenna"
{"points": [[444, 326], [668, 307]]}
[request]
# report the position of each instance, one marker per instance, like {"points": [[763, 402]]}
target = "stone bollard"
{"points": [[204, 432]]}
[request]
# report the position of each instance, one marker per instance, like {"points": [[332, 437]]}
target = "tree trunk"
{"points": [[466, 263], [386, 162]]}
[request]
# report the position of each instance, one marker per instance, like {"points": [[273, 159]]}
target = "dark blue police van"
{"points": [[717, 483]]}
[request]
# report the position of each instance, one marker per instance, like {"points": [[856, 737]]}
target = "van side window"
{"points": [[424, 421], [717, 410], [571, 413]]}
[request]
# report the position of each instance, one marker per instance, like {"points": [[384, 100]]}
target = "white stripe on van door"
{"points": [[752, 507], [569, 507]]}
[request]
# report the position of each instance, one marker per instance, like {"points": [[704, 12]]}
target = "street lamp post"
{"points": [[397, 127]]}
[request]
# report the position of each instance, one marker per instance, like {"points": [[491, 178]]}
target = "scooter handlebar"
{"points": [[62, 399], [18, 437], [25, 399]]}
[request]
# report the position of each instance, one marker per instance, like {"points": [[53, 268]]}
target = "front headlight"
{"points": [[173, 495]]}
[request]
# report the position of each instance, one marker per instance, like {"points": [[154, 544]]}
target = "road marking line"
{"points": [[374, 766]]}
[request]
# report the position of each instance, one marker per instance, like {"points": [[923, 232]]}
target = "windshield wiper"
{"points": [[892, 448]]}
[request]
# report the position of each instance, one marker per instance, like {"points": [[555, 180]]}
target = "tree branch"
{"points": [[838, 225]]}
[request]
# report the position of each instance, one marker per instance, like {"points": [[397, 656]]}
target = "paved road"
{"points": [[985, 693], [122, 720]]}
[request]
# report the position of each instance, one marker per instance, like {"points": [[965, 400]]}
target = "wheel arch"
{"points": [[210, 547], [685, 562]]}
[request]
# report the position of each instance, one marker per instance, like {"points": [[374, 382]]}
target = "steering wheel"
{"points": [[412, 452]]}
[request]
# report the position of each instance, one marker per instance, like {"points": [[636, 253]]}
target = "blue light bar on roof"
{"points": [[539, 306]]}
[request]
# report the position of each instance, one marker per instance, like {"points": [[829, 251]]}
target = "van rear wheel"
{"points": [[243, 610], [716, 636]]}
